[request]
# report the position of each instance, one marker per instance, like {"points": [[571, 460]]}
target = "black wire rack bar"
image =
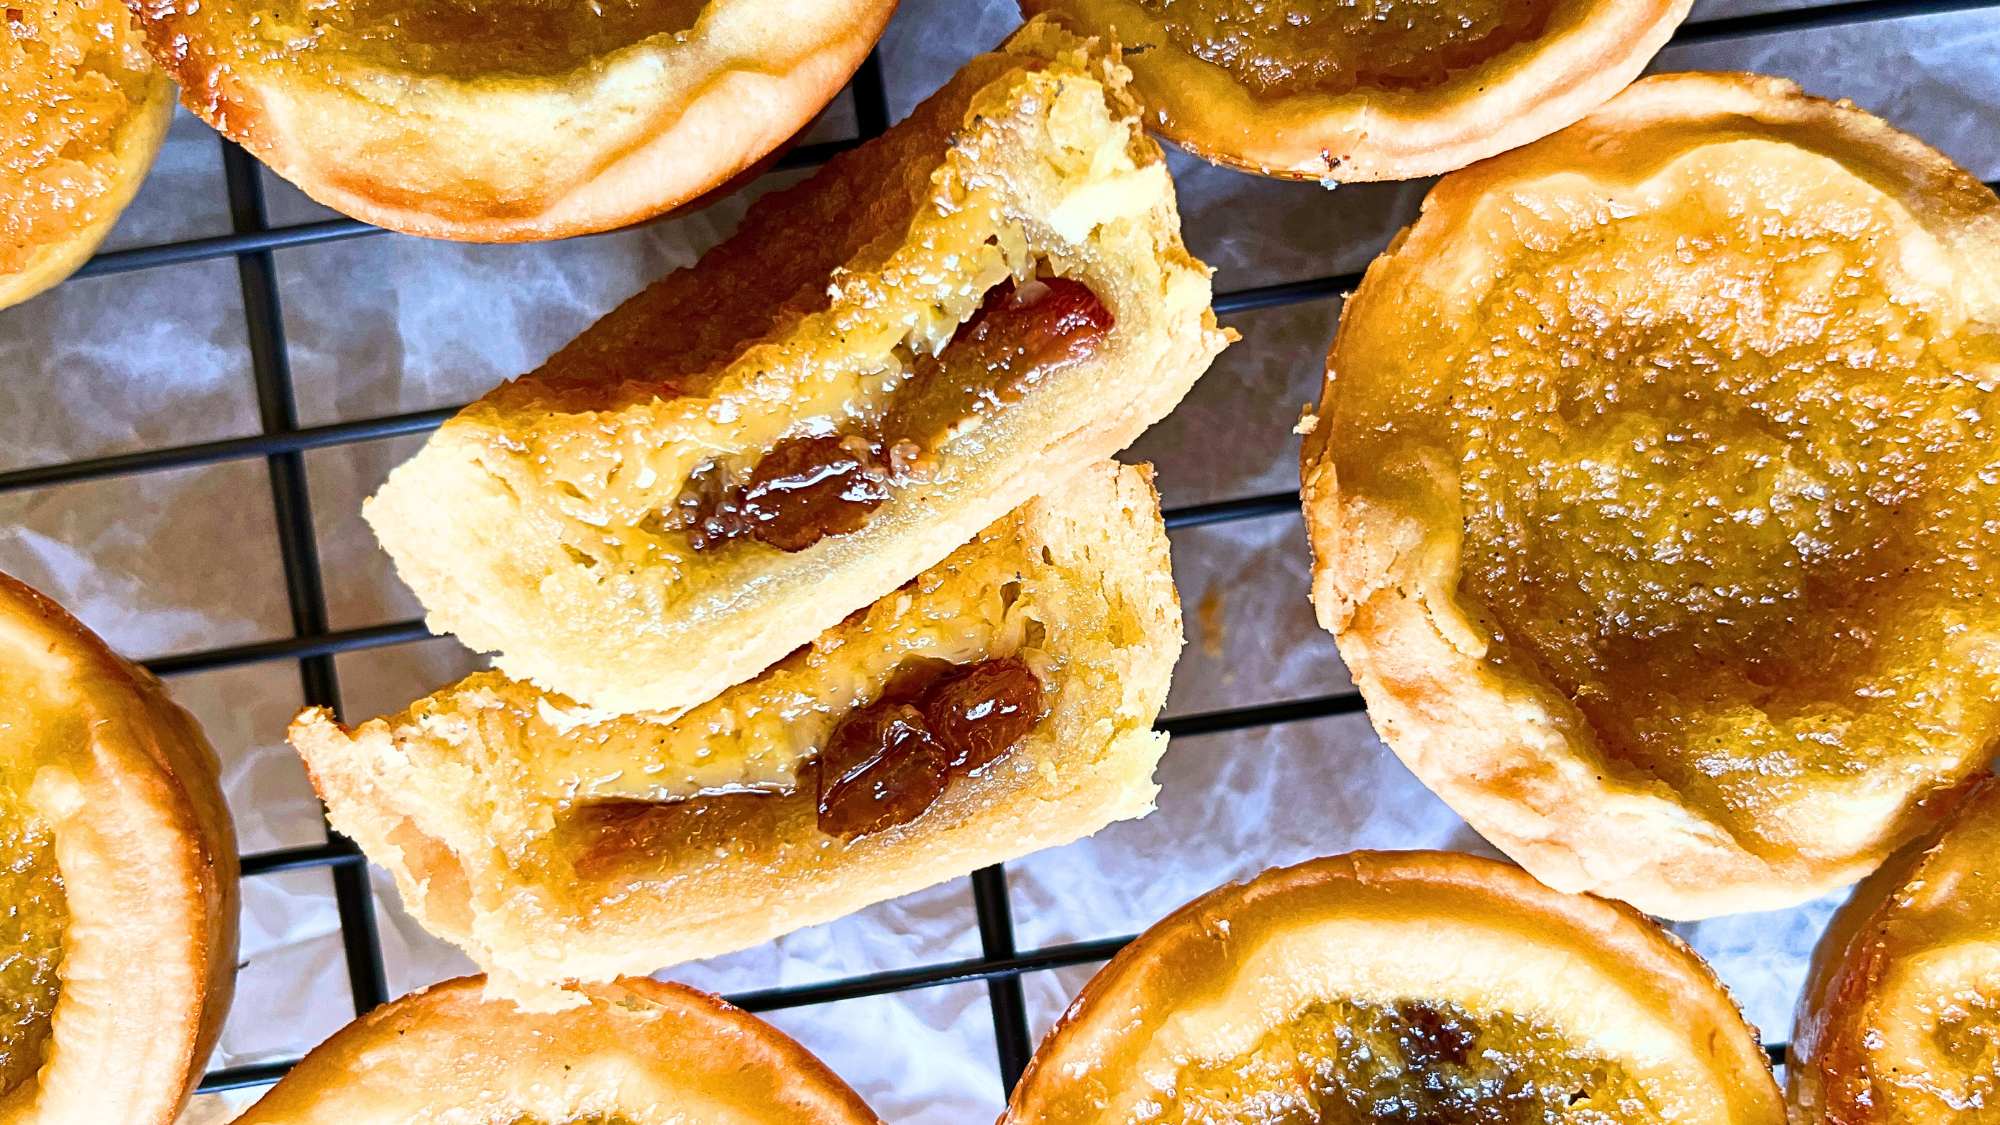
{"points": [[281, 442]]}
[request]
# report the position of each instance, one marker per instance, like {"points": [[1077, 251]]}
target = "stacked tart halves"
{"points": [[810, 581], [882, 361], [635, 1052], [1652, 494], [118, 878], [1000, 702]]}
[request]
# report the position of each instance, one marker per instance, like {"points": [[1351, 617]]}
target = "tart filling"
{"points": [[31, 939], [461, 39], [81, 114], [1339, 46], [1418, 987], [1684, 415]]}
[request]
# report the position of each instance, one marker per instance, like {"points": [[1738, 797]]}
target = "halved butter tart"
{"points": [[998, 703], [1431, 988], [881, 361], [1355, 90], [509, 120], [118, 879], [82, 113], [631, 1052], [1900, 1020], [1653, 494]]}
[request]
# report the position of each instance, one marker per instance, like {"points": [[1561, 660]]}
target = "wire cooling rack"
{"points": [[282, 443]]}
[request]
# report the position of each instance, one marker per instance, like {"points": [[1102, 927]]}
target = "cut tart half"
{"points": [[509, 120], [1342, 91], [998, 703], [118, 874], [882, 361], [1400, 986], [1900, 1020], [1651, 494], [82, 113], [632, 1052]]}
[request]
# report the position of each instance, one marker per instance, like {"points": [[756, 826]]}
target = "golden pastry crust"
{"points": [[1679, 827], [39, 249], [638, 1051], [1897, 1021], [128, 789], [1583, 52], [1476, 944], [505, 152], [542, 892], [531, 524]]}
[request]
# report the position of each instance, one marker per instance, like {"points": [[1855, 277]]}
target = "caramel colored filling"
{"points": [[447, 38], [888, 762], [808, 487], [1966, 1036], [1344, 1062], [1340, 46], [72, 73], [32, 920], [1726, 479]]}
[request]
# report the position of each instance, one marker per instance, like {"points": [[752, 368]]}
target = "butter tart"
{"points": [[118, 871], [1356, 90], [1651, 494], [509, 120], [1900, 1020], [881, 362], [998, 703], [633, 1052], [82, 113], [1401, 986]]}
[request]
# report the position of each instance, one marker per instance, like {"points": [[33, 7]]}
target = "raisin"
{"points": [[880, 768], [977, 712], [1434, 1036], [808, 488]]}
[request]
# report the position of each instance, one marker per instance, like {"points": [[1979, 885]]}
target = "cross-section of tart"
{"points": [[1900, 1020], [1335, 90], [508, 120], [82, 113], [1406, 987], [633, 1052], [1652, 494], [118, 876], [880, 363], [998, 703]]}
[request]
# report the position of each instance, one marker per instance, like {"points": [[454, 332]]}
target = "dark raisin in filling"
{"points": [[888, 762]]}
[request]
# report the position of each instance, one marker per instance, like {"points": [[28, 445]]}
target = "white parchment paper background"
{"points": [[172, 562]]}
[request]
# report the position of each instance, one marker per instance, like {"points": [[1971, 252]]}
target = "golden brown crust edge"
{"points": [[150, 951], [1910, 906], [734, 874], [516, 160], [1511, 756], [637, 1044], [1193, 951], [1518, 97], [137, 144]]}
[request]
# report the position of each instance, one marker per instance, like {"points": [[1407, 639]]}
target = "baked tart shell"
{"points": [[639, 1050], [1501, 746], [1525, 92], [147, 856], [1913, 952], [131, 151], [1205, 983], [512, 157]]}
